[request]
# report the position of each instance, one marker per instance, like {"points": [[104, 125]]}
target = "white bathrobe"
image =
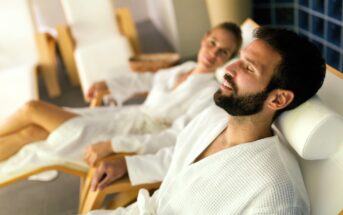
{"points": [[260, 177], [141, 128]]}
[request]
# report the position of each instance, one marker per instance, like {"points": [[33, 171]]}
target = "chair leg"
{"points": [[93, 200], [85, 187], [66, 46], [48, 64]]}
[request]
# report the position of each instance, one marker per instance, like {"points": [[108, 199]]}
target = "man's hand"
{"points": [[96, 89], [108, 172], [97, 151]]}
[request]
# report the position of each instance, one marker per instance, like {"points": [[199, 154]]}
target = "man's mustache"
{"points": [[229, 78]]}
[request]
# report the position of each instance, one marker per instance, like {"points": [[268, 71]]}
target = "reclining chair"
{"points": [[96, 44], [313, 131], [24, 53]]}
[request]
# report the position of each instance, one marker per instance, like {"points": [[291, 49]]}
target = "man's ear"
{"points": [[279, 99]]}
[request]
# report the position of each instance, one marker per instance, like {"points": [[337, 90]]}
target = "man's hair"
{"points": [[235, 30], [302, 67]]}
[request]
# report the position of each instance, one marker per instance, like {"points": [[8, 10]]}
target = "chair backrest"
{"points": [[315, 131], [48, 14], [90, 20], [324, 178], [17, 35]]}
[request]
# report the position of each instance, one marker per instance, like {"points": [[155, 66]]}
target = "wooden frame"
{"points": [[47, 63], [125, 192], [73, 170]]}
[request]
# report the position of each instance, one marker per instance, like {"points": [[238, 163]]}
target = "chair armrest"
{"points": [[125, 191], [127, 27]]}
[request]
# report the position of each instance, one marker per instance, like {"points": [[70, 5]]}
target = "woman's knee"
{"points": [[35, 131], [31, 106]]}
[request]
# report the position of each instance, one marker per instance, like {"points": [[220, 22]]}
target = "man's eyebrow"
{"points": [[259, 67]]}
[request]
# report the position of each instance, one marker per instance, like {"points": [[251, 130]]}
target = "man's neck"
{"points": [[240, 130], [245, 129]]}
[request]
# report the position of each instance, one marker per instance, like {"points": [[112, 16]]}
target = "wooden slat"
{"points": [[127, 28]]}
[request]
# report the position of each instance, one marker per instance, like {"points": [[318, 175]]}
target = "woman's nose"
{"points": [[214, 52]]}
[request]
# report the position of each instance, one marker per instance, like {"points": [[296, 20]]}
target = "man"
{"points": [[227, 160]]}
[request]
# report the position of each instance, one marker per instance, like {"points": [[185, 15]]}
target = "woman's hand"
{"points": [[96, 89], [108, 172], [97, 151]]}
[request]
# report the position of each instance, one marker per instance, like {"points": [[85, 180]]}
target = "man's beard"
{"points": [[240, 105]]}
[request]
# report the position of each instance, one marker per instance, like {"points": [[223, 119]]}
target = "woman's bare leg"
{"points": [[39, 113], [11, 143]]}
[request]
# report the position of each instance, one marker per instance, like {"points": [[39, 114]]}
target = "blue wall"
{"points": [[321, 21]]}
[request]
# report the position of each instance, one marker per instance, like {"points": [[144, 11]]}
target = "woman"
{"points": [[176, 93]]}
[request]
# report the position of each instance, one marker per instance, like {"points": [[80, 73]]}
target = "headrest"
{"points": [[247, 28], [312, 129]]}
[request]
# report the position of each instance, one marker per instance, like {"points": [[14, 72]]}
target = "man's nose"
{"points": [[232, 69]]}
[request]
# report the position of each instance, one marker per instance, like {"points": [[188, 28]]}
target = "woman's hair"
{"points": [[235, 30], [302, 67]]}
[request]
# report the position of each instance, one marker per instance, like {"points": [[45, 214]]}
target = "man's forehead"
{"points": [[261, 48], [261, 53]]}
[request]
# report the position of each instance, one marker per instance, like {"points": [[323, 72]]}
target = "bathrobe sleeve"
{"points": [[124, 86], [150, 168]]}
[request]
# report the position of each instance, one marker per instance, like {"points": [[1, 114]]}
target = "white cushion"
{"points": [[247, 29], [17, 41], [90, 20], [312, 129], [20, 85], [103, 60]]}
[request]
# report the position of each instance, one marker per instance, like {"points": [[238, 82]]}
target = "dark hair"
{"points": [[236, 31], [302, 67]]}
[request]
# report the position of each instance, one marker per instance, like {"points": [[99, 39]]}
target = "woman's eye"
{"points": [[212, 43], [224, 53]]}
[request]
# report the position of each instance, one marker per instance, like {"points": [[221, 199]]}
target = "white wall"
{"points": [[161, 13], [182, 22], [229, 10], [138, 8], [192, 23], [48, 14]]}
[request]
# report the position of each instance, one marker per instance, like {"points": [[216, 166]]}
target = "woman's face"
{"points": [[217, 48]]}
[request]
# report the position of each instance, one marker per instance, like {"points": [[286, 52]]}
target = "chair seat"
{"points": [[35, 158]]}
